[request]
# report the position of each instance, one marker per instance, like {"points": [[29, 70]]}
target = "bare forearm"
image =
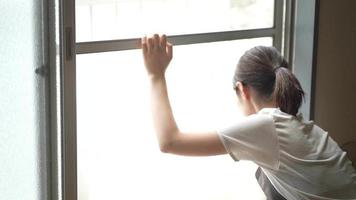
{"points": [[157, 53], [163, 119]]}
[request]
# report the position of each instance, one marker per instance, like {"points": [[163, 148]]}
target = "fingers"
{"points": [[144, 45], [163, 41], [150, 44], [156, 43], [169, 50]]}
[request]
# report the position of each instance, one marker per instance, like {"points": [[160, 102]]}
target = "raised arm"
{"points": [[157, 54]]}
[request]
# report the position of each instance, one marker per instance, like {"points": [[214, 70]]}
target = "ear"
{"points": [[244, 90]]}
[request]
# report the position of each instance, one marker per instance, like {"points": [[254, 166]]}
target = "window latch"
{"points": [[68, 43], [42, 70]]}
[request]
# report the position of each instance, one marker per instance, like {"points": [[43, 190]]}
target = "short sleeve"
{"points": [[254, 139]]}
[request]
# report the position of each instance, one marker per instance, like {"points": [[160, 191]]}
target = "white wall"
{"points": [[23, 171]]}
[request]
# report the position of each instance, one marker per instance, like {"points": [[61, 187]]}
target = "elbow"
{"points": [[168, 142], [165, 147]]}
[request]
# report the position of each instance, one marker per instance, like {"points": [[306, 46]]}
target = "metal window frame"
{"points": [[55, 120], [64, 96], [63, 81], [303, 50], [128, 44]]}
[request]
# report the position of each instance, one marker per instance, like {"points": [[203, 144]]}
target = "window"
{"points": [[116, 142], [39, 131], [120, 19], [117, 154]]}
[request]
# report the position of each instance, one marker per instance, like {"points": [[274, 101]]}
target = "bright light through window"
{"points": [[118, 19], [118, 155]]}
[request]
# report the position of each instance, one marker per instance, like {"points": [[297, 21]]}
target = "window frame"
{"points": [[63, 78]]}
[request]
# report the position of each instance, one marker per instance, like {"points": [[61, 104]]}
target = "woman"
{"points": [[297, 157]]}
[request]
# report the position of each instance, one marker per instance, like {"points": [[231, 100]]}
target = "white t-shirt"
{"points": [[298, 157]]}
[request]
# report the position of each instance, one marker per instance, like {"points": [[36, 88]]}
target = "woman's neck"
{"points": [[258, 105]]}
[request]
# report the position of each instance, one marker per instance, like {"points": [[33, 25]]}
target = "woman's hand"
{"points": [[157, 53]]}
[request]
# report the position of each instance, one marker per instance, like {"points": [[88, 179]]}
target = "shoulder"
{"points": [[288, 123], [253, 138], [253, 124]]}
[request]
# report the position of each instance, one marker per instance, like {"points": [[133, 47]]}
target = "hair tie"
{"points": [[276, 69]]}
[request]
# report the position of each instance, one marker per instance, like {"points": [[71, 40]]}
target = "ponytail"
{"points": [[288, 93], [266, 71]]}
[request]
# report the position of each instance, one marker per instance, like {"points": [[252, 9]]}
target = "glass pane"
{"points": [[118, 155], [119, 19]]}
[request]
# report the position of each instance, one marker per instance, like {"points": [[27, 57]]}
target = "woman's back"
{"points": [[310, 163]]}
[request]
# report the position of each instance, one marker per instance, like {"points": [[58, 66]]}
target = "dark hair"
{"points": [[267, 72]]}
